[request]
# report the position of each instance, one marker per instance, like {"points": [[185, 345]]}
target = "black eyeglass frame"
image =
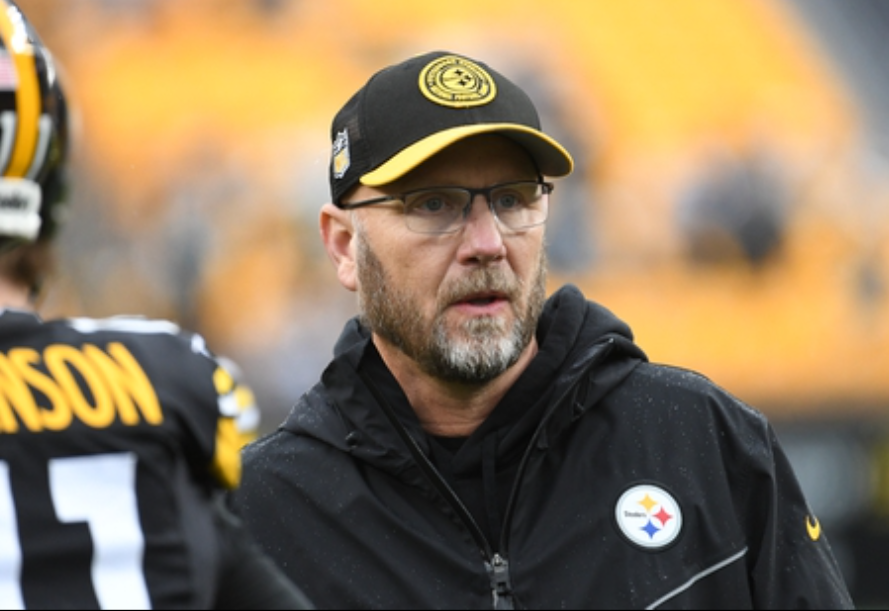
{"points": [[548, 188]]}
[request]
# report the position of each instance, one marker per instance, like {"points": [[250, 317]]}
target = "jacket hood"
{"points": [[575, 336]]}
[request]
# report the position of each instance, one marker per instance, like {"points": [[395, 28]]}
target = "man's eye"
{"points": [[507, 201], [431, 203]]}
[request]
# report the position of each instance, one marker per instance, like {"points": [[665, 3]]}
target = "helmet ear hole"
{"points": [[33, 121]]}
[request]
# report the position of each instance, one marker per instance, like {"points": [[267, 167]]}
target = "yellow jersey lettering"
{"points": [[62, 361], [16, 399], [48, 391], [57, 415], [128, 382]]}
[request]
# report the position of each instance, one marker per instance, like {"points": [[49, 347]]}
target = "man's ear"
{"points": [[338, 233]]}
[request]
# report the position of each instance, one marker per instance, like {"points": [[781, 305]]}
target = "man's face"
{"points": [[463, 305]]}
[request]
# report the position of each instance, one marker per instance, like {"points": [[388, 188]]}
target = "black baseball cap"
{"points": [[408, 112]]}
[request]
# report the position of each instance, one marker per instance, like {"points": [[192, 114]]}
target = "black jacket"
{"points": [[600, 481]]}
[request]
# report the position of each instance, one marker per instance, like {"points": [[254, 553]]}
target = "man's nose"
{"points": [[482, 232]]}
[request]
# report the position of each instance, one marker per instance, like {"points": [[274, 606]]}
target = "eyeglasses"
{"points": [[516, 205]]}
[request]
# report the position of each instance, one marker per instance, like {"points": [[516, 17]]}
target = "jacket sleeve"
{"points": [[792, 564]]}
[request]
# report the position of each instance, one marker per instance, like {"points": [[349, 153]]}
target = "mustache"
{"points": [[482, 280]]}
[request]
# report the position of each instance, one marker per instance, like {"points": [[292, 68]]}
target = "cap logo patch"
{"points": [[457, 82], [648, 516], [340, 155]]}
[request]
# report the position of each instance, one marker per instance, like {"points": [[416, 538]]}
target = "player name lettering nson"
{"points": [[66, 384]]}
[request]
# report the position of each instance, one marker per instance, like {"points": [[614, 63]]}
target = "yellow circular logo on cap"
{"points": [[457, 82]]}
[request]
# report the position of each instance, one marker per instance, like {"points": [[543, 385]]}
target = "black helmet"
{"points": [[33, 132]]}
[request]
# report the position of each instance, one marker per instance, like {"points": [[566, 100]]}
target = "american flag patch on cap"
{"points": [[9, 79]]}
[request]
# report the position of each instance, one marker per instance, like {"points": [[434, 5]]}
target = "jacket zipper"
{"points": [[498, 572], [504, 578], [601, 349], [496, 563]]}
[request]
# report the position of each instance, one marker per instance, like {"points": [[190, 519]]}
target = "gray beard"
{"points": [[476, 353]]}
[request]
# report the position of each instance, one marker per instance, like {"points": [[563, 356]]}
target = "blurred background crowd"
{"points": [[731, 198]]}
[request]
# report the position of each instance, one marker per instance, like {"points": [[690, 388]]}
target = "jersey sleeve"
{"points": [[226, 464], [247, 415], [212, 404]]}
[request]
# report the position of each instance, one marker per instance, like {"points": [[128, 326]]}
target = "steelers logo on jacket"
{"points": [[648, 516]]}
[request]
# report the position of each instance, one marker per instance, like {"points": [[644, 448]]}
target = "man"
{"points": [[118, 437], [474, 444]]}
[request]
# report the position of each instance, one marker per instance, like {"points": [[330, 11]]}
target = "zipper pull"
{"points": [[501, 588]]}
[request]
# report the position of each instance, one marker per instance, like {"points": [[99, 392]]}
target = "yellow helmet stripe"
{"points": [[27, 93]]}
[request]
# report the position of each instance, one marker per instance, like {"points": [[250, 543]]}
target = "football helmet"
{"points": [[33, 132]]}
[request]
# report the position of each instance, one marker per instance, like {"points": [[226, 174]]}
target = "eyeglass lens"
{"points": [[518, 205]]}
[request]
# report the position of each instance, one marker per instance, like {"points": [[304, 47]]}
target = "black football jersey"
{"points": [[115, 435]]}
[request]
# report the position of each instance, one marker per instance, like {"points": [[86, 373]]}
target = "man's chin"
{"points": [[479, 326]]}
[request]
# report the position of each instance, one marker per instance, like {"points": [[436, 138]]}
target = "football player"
{"points": [[118, 437]]}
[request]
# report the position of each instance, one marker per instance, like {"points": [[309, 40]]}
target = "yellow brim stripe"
{"points": [[551, 157], [27, 99]]}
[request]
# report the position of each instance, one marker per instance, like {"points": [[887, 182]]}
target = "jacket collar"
{"points": [[574, 334]]}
